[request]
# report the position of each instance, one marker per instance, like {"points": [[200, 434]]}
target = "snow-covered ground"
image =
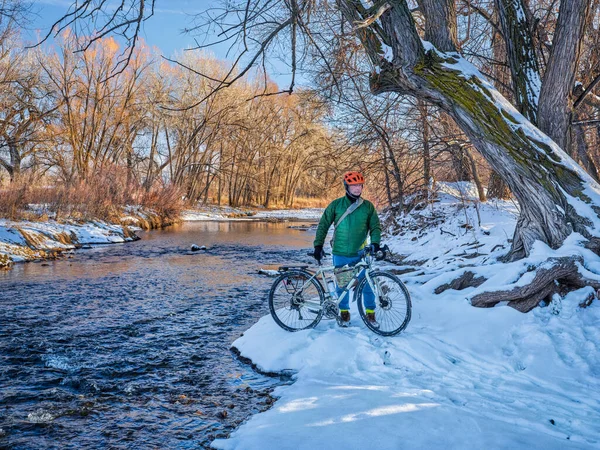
{"points": [[26, 241], [458, 377]]}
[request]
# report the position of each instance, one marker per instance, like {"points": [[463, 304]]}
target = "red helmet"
{"points": [[351, 178]]}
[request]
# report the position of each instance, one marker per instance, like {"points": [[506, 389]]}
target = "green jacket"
{"points": [[351, 235]]}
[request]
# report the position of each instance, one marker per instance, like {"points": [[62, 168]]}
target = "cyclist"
{"points": [[354, 219]]}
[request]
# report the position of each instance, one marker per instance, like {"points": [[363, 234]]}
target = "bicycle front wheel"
{"points": [[392, 304], [295, 300]]}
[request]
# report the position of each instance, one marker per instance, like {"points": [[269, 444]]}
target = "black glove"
{"points": [[319, 253], [376, 249]]}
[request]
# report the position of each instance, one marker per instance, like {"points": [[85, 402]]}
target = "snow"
{"points": [[458, 376], [388, 52], [216, 213]]}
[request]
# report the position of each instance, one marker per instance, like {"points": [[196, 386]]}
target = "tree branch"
{"points": [[587, 91]]}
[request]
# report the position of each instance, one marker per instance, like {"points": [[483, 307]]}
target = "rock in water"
{"points": [[196, 248]]}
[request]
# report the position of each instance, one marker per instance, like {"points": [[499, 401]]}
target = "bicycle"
{"points": [[298, 299]]}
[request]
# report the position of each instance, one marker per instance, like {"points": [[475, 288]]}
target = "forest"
{"points": [[159, 129]]}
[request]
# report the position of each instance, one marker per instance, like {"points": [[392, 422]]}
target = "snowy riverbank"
{"points": [[218, 213], [458, 377], [28, 241]]}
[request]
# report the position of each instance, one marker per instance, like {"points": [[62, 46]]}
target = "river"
{"points": [[127, 345]]}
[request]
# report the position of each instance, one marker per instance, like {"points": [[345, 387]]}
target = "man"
{"points": [[354, 219]]}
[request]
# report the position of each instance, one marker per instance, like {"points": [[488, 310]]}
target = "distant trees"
{"points": [[76, 120]]}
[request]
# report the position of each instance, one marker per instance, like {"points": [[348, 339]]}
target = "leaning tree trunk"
{"points": [[556, 196]]}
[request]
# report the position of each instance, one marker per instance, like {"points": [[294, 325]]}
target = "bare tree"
{"points": [[26, 105]]}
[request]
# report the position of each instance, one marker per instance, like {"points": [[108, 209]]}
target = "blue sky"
{"points": [[164, 30]]}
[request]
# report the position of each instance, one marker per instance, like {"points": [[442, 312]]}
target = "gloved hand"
{"points": [[378, 250], [319, 253]]}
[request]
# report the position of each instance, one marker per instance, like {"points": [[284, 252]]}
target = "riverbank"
{"points": [[30, 241], [218, 213], [108, 347]]}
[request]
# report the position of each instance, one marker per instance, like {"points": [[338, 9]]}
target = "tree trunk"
{"points": [[386, 173], [460, 162], [441, 23], [556, 196], [556, 102], [497, 188], [521, 56], [149, 173], [476, 179], [582, 147], [397, 178], [8, 168], [582, 152], [426, 150], [15, 160]]}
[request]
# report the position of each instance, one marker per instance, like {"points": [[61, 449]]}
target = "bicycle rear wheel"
{"points": [[392, 304], [288, 299]]}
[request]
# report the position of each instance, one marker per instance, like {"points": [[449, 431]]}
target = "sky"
{"points": [[165, 30]]}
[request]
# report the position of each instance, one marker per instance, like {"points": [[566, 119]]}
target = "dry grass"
{"points": [[166, 201], [100, 197], [303, 203], [13, 201]]}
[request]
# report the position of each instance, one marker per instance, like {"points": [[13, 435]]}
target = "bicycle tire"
{"points": [[392, 313], [285, 307]]}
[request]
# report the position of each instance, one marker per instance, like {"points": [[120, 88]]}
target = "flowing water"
{"points": [[128, 345]]}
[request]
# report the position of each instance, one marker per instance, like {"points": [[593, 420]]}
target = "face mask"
{"points": [[349, 194]]}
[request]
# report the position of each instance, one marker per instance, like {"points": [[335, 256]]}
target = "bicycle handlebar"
{"points": [[367, 250]]}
